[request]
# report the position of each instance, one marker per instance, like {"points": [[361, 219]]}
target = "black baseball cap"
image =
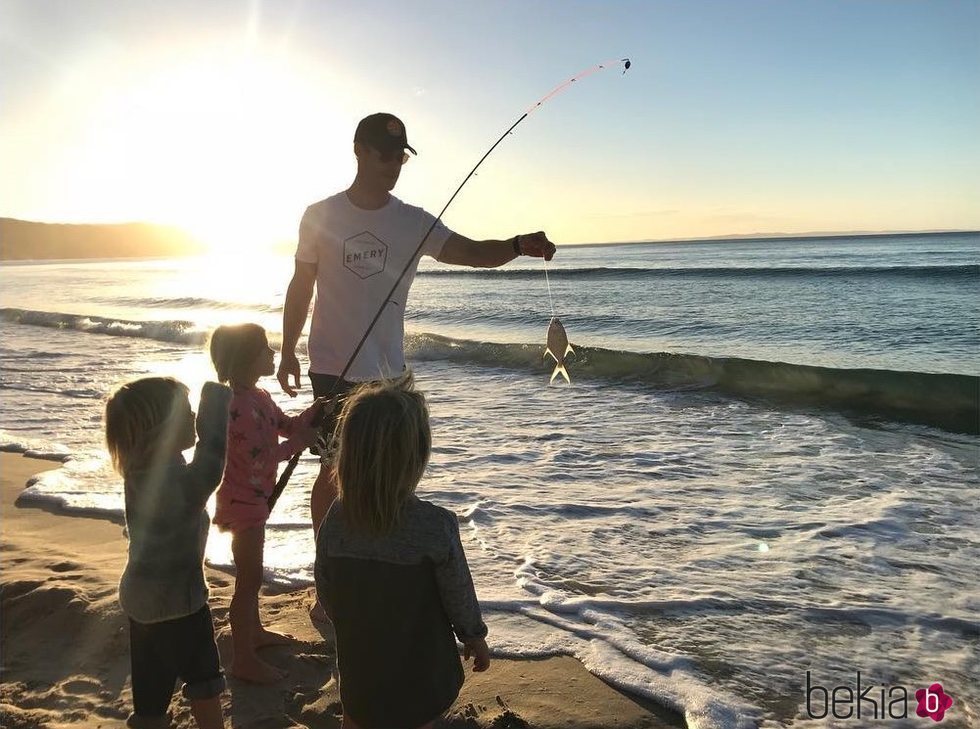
{"points": [[385, 132]]}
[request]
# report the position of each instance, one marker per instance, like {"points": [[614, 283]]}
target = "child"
{"points": [[241, 355], [148, 423], [391, 571]]}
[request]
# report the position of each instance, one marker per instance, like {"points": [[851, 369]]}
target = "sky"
{"points": [[735, 118]]}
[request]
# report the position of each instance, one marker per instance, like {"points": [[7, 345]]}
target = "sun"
{"points": [[220, 133], [217, 143]]}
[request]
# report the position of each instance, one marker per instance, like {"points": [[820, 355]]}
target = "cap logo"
{"points": [[394, 128]]}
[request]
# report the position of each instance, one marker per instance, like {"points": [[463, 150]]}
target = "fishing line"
{"points": [[550, 299], [288, 471]]}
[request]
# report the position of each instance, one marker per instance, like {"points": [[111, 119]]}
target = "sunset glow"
{"points": [[229, 120], [210, 145]]}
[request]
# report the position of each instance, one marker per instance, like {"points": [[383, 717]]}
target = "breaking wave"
{"points": [[180, 332], [947, 401], [966, 272], [182, 302]]}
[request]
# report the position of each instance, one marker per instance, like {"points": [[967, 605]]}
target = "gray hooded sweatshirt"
{"points": [[168, 524]]}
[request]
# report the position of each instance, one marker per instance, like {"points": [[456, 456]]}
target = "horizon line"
{"points": [[758, 235]]}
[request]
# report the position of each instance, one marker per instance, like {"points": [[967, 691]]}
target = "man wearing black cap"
{"points": [[352, 248]]}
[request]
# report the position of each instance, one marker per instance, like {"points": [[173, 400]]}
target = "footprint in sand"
{"points": [[78, 685], [64, 567], [13, 590], [509, 720]]}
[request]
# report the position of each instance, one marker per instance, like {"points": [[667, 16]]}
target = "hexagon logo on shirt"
{"points": [[365, 254]]}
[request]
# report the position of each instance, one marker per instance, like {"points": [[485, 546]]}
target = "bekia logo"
{"points": [[873, 701], [365, 255], [933, 702]]}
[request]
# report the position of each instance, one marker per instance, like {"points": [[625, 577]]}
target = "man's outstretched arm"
{"points": [[461, 251], [294, 313]]}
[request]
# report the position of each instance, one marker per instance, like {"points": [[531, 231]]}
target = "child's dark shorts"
{"points": [[162, 653], [329, 386]]}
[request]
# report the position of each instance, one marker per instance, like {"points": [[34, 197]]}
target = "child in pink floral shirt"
{"points": [[241, 355]]}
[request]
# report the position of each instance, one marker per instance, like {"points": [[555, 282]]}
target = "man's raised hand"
{"points": [[537, 245]]}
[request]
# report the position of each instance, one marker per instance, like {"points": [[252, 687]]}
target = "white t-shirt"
{"points": [[359, 255]]}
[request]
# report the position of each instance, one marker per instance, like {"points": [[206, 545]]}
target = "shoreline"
{"points": [[66, 654]]}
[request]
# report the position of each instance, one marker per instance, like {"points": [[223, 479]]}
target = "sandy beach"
{"points": [[66, 661]]}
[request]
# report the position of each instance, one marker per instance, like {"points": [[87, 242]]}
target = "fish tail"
{"points": [[560, 368]]}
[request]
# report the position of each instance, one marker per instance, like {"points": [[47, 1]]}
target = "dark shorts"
{"points": [[333, 387], [161, 653]]}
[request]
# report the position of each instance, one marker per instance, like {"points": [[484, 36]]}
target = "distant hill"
{"points": [[26, 240]]}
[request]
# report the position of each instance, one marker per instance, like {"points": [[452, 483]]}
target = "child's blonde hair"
{"points": [[139, 420], [234, 349], [384, 446]]}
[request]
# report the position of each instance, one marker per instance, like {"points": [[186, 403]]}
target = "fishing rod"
{"points": [[291, 466]]}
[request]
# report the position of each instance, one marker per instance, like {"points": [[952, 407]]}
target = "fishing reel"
{"points": [[325, 421]]}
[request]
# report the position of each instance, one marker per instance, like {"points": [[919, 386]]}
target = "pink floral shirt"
{"points": [[255, 423]]}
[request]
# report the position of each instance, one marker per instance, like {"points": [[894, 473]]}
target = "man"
{"points": [[352, 248]]}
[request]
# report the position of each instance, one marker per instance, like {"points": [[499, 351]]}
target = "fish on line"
{"points": [[558, 348]]}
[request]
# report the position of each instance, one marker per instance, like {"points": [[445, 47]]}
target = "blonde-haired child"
{"points": [[148, 423], [391, 571], [241, 355]]}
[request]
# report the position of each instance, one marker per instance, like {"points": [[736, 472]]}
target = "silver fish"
{"points": [[558, 348]]}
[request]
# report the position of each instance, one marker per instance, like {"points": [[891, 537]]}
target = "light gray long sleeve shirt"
{"points": [[168, 523]]}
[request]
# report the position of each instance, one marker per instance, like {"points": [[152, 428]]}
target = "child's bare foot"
{"points": [[271, 637], [255, 671], [318, 614]]}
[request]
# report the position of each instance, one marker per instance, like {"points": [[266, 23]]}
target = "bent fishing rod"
{"points": [[291, 466]]}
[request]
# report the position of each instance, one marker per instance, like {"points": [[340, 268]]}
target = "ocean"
{"points": [[762, 479]]}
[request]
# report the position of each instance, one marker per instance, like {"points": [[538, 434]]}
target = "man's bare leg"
{"points": [[321, 498]]}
